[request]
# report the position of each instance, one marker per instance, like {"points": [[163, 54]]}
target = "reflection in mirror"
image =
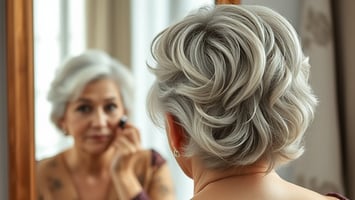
{"points": [[55, 38], [61, 30]]}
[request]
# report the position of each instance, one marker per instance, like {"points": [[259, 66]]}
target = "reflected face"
{"points": [[92, 118]]}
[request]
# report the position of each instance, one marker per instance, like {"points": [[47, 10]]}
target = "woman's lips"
{"points": [[99, 138]]}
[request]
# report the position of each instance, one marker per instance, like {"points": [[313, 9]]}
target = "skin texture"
{"points": [[106, 161]]}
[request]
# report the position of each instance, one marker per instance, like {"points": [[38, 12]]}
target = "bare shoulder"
{"points": [[49, 164], [46, 173], [268, 187], [299, 192]]}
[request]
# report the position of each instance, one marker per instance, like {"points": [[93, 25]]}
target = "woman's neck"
{"points": [[82, 162], [204, 177]]}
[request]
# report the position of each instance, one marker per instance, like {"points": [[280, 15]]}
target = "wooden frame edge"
{"points": [[227, 1], [20, 98]]}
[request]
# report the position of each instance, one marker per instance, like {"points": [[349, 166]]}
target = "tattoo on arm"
{"points": [[163, 189], [141, 179], [54, 184]]}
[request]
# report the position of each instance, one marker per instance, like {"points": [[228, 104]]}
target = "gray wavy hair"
{"points": [[80, 70], [236, 79]]}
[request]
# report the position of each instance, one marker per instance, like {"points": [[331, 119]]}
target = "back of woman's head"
{"points": [[72, 77], [236, 80]]}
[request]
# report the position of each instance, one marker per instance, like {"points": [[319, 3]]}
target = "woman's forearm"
{"points": [[127, 186]]}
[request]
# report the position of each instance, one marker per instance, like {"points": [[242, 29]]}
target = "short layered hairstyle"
{"points": [[236, 79]]}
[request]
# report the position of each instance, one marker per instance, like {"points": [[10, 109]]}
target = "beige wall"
{"points": [[290, 9], [3, 108]]}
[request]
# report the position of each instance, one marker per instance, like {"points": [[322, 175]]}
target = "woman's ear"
{"points": [[61, 124], [176, 133]]}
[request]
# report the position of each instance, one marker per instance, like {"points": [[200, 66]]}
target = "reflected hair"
{"points": [[76, 72], [236, 79]]}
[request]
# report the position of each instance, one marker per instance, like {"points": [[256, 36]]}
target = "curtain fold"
{"points": [[344, 16], [108, 28], [320, 168]]}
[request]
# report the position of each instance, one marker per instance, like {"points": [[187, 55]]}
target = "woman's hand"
{"points": [[127, 143], [127, 146], [128, 157]]}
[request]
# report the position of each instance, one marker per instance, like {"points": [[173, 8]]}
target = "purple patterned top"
{"points": [[157, 160], [336, 195], [141, 196]]}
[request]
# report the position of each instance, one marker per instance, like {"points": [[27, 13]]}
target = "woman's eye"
{"points": [[110, 107], [84, 108]]}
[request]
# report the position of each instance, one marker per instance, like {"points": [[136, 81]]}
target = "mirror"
{"points": [[65, 28], [21, 49]]}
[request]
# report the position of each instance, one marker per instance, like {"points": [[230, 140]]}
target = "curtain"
{"points": [[109, 28], [320, 168], [344, 16]]}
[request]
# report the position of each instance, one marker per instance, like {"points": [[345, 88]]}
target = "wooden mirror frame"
{"points": [[227, 1], [20, 99]]}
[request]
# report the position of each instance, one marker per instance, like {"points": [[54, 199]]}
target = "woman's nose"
{"points": [[99, 119]]}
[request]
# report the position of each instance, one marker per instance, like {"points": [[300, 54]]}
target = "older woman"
{"points": [[91, 96], [232, 86]]}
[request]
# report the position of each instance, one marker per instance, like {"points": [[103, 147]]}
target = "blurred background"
{"points": [[125, 29]]}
